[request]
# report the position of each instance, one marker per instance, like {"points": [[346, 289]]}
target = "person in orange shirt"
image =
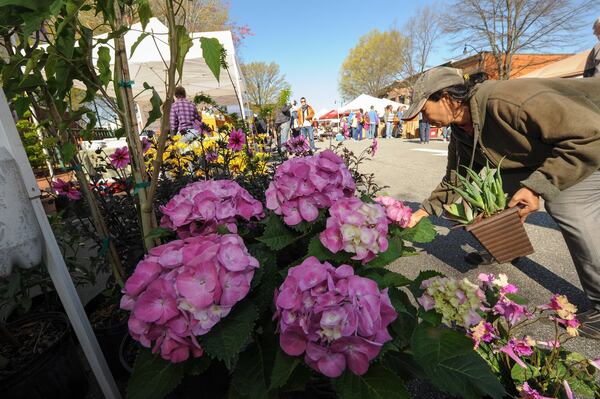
{"points": [[306, 114]]}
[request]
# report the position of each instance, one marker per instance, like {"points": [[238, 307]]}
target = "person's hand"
{"points": [[416, 217], [529, 201]]}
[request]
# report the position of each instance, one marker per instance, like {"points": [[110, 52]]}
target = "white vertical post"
{"points": [[53, 259]]}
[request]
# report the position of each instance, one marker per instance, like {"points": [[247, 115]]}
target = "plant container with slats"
{"points": [[503, 235]]}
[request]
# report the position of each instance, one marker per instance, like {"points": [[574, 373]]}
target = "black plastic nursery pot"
{"points": [[110, 329], [46, 365], [503, 235]]}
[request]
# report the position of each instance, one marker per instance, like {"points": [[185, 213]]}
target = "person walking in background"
{"points": [[373, 119], [183, 114], [398, 122], [360, 123], [424, 129], [294, 119], [546, 134], [305, 120], [283, 121], [592, 65], [389, 121]]}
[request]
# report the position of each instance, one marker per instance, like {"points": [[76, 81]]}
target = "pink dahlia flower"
{"points": [[120, 158], [236, 140], [334, 318], [304, 185], [356, 227], [200, 207], [67, 189], [395, 210], [182, 289]]}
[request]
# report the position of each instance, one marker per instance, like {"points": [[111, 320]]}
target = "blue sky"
{"points": [[309, 39]]}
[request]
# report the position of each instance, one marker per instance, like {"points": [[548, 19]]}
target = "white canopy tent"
{"points": [[365, 102], [147, 64], [570, 67]]}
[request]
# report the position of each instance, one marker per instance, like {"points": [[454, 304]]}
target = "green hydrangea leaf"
{"points": [[153, 377], [248, 377], [283, 368], [423, 232], [448, 359], [228, 337], [378, 383], [277, 235], [394, 251]]}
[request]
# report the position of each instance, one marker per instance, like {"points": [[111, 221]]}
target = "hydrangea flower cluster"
{"points": [[458, 301], [200, 207], [335, 318], [182, 289], [356, 227], [67, 189], [297, 145], [395, 210], [304, 185]]}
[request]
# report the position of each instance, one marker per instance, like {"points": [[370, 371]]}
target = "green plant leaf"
{"points": [[318, 250], [160, 232], [185, 43], [394, 251], [156, 102], [103, 65], [137, 42], [521, 300], [378, 383], [423, 232], [153, 377], [283, 368], [228, 337], [448, 359], [68, 151], [248, 377], [522, 374], [144, 12], [277, 235], [211, 51]]}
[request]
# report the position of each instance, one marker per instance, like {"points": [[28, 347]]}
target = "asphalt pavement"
{"points": [[412, 170]]}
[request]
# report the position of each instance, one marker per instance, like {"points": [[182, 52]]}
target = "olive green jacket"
{"points": [[548, 130]]}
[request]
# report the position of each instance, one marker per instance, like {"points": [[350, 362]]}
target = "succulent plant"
{"points": [[481, 195]]}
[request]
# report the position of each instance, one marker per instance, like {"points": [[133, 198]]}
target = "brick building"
{"points": [[522, 64]]}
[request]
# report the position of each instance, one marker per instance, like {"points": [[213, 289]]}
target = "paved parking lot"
{"points": [[412, 170]]}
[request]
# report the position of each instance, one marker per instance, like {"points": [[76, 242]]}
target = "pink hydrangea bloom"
{"points": [[356, 227], [182, 289], [200, 207], [395, 210], [120, 158], [297, 145], [334, 318], [236, 140], [304, 185], [62, 187]]}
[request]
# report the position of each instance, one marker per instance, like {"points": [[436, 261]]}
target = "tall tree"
{"points": [[507, 27], [422, 31], [376, 61], [264, 82], [203, 16]]}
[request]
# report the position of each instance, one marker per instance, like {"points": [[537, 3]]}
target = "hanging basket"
{"points": [[503, 235]]}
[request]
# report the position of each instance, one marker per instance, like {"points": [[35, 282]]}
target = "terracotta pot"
{"points": [[503, 235]]}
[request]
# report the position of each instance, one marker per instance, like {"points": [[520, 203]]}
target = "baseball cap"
{"points": [[428, 83]]}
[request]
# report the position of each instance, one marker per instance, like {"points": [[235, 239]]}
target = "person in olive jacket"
{"points": [[548, 132]]}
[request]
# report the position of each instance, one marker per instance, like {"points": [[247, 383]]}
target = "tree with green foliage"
{"points": [[377, 61], [264, 83]]}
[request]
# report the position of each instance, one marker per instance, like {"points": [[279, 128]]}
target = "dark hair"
{"points": [[302, 98], [461, 92], [179, 92]]}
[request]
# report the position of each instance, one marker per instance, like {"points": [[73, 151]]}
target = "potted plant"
{"points": [[482, 210], [38, 356]]}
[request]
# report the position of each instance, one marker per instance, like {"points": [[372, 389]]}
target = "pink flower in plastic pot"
{"points": [[237, 139], [120, 158], [183, 288], [334, 318]]}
